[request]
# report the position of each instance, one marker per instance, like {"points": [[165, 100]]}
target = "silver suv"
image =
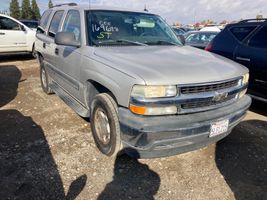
{"points": [[144, 91]]}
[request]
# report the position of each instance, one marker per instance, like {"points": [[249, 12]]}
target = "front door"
{"points": [[253, 54], [69, 58]]}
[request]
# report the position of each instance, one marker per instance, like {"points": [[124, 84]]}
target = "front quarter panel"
{"points": [[118, 82]]}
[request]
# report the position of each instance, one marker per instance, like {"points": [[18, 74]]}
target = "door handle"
{"points": [[44, 45], [243, 59], [2, 33], [56, 51]]}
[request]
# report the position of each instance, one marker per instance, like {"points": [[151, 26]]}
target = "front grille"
{"points": [[209, 87], [205, 103]]}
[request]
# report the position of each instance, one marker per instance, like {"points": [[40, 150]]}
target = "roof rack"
{"points": [[253, 20], [65, 4]]}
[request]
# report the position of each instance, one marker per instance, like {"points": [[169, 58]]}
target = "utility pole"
{"points": [[194, 16]]}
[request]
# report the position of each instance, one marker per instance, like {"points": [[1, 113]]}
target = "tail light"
{"points": [[209, 47]]}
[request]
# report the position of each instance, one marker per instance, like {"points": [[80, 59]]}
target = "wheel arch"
{"points": [[93, 88]]}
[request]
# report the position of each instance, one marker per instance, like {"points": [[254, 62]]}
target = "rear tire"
{"points": [[34, 53], [105, 124], [44, 78]]}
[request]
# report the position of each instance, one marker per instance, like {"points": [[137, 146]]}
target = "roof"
{"points": [[211, 28], [253, 20], [96, 7]]}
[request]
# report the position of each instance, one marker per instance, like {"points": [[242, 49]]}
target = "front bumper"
{"points": [[159, 136]]}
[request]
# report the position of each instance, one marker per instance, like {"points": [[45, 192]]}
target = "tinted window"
{"points": [[45, 18], [8, 24], [54, 26], [260, 39], [241, 32], [73, 24]]}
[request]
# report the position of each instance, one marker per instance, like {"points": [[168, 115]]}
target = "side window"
{"points": [[54, 25], [8, 24], [242, 31], [72, 24], [45, 18], [192, 38], [259, 40]]}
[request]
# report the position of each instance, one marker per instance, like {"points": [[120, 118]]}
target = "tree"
{"points": [[14, 9], [35, 11], [259, 16], [26, 12], [50, 4]]}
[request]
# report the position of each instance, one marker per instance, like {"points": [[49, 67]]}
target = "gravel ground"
{"points": [[47, 152]]}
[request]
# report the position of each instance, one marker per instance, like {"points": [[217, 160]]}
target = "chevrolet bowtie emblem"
{"points": [[220, 96]]}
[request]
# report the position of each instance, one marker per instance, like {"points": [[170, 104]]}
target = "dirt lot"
{"points": [[47, 152]]}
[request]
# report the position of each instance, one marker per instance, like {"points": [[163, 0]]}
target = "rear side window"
{"points": [[72, 24], [45, 18], [242, 31], [259, 40], [54, 26]]}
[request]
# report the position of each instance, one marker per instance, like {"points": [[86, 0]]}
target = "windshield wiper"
{"points": [[122, 41], [162, 42]]}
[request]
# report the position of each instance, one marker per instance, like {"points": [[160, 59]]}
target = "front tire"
{"points": [[105, 124]]}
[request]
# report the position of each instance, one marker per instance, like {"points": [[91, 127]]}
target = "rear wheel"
{"points": [[44, 78], [34, 53], [105, 124]]}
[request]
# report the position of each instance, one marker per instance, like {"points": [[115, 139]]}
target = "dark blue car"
{"points": [[246, 43]]}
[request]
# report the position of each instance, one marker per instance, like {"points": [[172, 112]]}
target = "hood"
{"points": [[158, 65]]}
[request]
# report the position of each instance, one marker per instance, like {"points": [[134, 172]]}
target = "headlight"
{"points": [[245, 79], [144, 91], [165, 110]]}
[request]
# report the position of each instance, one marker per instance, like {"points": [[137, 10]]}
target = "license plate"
{"points": [[218, 128]]}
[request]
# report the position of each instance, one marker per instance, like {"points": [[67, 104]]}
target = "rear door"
{"points": [[50, 46], [12, 37], [253, 54], [41, 34]]}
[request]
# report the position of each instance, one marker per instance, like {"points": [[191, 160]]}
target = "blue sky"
{"points": [[180, 11]]}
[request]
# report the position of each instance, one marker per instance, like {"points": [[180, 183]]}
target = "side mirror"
{"points": [[66, 39], [22, 28], [181, 38]]}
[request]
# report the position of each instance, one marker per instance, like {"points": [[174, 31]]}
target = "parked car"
{"points": [[178, 31], [211, 29], [15, 36], [199, 39], [185, 29], [33, 24], [246, 43], [142, 89]]}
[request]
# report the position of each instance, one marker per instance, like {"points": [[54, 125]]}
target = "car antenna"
{"points": [[145, 9]]}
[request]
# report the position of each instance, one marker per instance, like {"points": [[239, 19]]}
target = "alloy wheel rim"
{"points": [[43, 76], [102, 126]]}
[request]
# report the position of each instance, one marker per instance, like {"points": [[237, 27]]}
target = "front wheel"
{"points": [[105, 124]]}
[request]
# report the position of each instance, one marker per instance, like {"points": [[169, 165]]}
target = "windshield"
{"points": [[128, 28]]}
